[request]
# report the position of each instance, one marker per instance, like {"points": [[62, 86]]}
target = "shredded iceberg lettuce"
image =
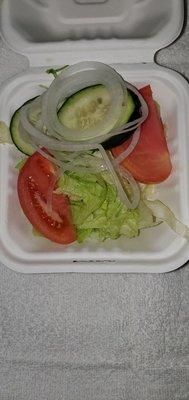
{"points": [[163, 213], [97, 211]]}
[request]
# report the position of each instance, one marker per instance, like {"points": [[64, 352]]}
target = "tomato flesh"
{"points": [[53, 219], [150, 161]]}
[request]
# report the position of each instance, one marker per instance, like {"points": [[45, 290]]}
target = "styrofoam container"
{"points": [[116, 40]]}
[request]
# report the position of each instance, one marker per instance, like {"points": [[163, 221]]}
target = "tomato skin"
{"points": [[34, 180], [150, 160]]}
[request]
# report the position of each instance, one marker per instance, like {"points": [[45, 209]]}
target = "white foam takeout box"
{"points": [[125, 34]]}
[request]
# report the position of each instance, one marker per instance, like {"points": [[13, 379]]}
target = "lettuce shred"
{"points": [[55, 71], [163, 213]]}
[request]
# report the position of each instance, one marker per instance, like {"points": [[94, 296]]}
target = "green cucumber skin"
{"points": [[25, 148], [126, 115]]}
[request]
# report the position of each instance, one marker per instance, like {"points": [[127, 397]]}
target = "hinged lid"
{"points": [[111, 31]]}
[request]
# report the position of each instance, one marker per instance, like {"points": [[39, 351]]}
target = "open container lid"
{"points": [[111, 31]]}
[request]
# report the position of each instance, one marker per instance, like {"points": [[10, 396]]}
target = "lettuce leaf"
{"points": [[86, 192], [97, 211], [163, 213]]}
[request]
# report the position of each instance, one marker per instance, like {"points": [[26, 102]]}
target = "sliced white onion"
{"points": [[42, 139], [52, 138], [49, 157], [133, 125], [144, 106], [81, 159], [34, 111], [135, 139], [121, 192], [51, 187], [64, 166], [128, 127], [134, 186], [70, 81], [125, 174]]}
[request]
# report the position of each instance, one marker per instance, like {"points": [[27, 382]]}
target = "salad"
{"points": [[94, 147]]}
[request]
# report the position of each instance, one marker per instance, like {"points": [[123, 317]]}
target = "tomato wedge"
{"points": [[36, 182], [150, 160]]}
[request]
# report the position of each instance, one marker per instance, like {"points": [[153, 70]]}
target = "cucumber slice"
{"points": [[122, 137], [88, 106], [23, 146], [81, 110], [128, 109]]}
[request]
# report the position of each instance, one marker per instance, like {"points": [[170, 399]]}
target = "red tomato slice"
{"points": [[35, 180], [150, 160]]}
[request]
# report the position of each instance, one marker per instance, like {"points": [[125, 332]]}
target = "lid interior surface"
{"points": [[103, 28], [40, 21]]}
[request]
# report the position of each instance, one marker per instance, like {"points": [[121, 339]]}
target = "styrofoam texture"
{"points": [[155, 250], [50, 32]]}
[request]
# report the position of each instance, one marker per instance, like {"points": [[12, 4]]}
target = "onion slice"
{"points": [[53, 181], [109, 166], [116, 180], [48, 130], [41, 139], [134, 186], [70, 81], [34, 112], [135, 139], [133, 125], [72, 166]]}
